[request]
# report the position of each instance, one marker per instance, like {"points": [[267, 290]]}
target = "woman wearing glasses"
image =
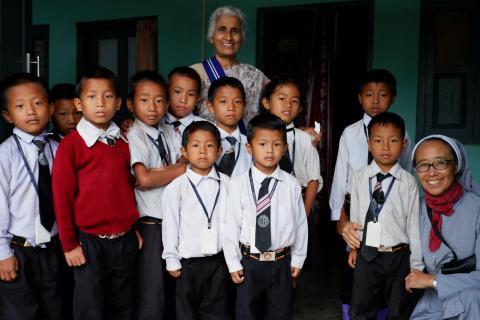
{"points": [[450, 232]]}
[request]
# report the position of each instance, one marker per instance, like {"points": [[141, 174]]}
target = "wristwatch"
{"points": [[434, 284]]}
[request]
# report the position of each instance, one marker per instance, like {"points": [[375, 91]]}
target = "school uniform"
{"points": [[95, 208], [36, 292], [268, 281], [399, 248], [201, 288], [144, 144], [241, 159], [174, 128]]}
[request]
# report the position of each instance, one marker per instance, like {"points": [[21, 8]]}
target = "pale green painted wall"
{"points": [[395, 39]]}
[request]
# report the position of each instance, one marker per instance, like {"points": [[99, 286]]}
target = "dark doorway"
{"points": [[327, 47]]}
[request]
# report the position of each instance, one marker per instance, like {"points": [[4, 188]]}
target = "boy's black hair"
{"points": [[385, 119], [145, 75], [188, 73], [266, 121], [270, 87], [62, 91], [377, 76], [224, 82], [96, 72], [204, 126], [19, 79]]}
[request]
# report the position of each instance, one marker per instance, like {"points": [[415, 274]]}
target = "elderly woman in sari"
{"points": [[450, 232]]}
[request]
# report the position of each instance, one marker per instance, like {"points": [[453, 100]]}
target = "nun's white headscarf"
{"points": [[463, 173]]}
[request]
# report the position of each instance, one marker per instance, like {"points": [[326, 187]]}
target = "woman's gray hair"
{"points": [[226, 11]]}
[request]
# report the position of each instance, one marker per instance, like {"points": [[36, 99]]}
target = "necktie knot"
{"points": [[231, 140], [176, 124], [40, 145], [266, 182], [289, 129], [381, 176], [110, 141]]}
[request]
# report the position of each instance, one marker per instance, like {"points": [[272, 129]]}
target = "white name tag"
{"points": [[374, 232], [253, 249], [209, 241], [42, 235]]}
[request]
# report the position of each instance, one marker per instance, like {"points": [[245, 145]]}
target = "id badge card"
{"points": [[374, 232], [253, 249], [209, 241], [42, 235]]}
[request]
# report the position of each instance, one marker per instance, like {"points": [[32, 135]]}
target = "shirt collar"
{"points": [[184, 121], [197, 178], [235, 133], [90, 134], [366, 119], [153, 132], [27, 137], [290, 125], [258, 176], [394, 171]]}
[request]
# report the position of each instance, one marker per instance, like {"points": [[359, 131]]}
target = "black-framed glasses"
{"points": [[440, 164]]}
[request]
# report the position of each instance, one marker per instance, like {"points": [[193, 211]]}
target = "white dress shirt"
{"points": [[244, 161], [144, 151], [352, 156], [184, 218], [19, 204], [288, 220], [399, 217], [90, 134], [167, 126], [307, 159]]}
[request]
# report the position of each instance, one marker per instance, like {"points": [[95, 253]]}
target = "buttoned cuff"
{"points": [[5, 250], [234, 266], [173, 264], [335, 216], [297, 261]]}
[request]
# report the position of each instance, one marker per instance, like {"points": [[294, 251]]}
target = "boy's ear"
{"points": [[119, 103], [51, 108], [6, 116], [249, 148], [359, 98], [405, 143], [286, 147], [210, 107], [220, 150], [266, 103], [184, 152], [78, 104], [129, 105]]}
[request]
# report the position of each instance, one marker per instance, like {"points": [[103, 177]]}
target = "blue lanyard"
{"points": [[209, 218], [254, 195], [374, 211], [168, 161]]}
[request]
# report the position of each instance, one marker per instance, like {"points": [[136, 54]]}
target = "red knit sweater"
{"points": [[92, 189]]}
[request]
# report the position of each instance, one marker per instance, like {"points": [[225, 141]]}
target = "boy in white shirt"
{"points": [[194, 204], [385, 204], [226, 100], [266, 227]]}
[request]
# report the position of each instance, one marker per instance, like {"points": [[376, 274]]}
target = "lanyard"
{"points": [[376, 212], [209, 218], [29, 170], [253, 188], [158, 147]]}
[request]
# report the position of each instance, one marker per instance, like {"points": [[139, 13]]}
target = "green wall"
{"points": [[395, 39]]}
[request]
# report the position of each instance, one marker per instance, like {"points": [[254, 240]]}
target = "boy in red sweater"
{"points": [[95, 204]]}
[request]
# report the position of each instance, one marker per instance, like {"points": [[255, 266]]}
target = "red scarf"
{"points": [[442, 204]]}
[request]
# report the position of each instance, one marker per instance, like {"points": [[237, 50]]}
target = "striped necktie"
{"points": [[263, 237]]}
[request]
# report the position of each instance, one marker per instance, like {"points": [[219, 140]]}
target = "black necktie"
{"points": [[47, 216], [367, 252], [227, 164], [176, 126], [370, 156], [286, 161], [263, 237], [162, 150], [110, 141]]}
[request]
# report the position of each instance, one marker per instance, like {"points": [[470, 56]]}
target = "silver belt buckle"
{"points": [[385, 249], [111, 236], [267, 256]]}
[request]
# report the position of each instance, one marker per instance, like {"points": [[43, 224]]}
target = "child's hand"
{"points": [[140, 240], [8, 269], [352, 258], [237, 277], [176, 273], [295, 273], [349, 234], [183, 160], [75, 257]]}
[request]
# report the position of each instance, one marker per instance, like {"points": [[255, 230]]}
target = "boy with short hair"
{"points": [[194, 206], [266, 216], [184, 87], [95, 203], [385, 204], [152, 157], [29, 247], [226, 100], [65, 115]]}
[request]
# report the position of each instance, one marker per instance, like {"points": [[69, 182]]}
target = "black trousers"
{"points": [[266, 292], [385, 274], [104, 286], [150, 300], [201, 290], [36, 293]]}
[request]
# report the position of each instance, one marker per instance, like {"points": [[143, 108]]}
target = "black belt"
{"points": [[267, 255], [396, 248], [206, 258], [149, 220], [23, 242]]}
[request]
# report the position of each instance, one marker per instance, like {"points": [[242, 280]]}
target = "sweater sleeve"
{"points": [[64, 185]]}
